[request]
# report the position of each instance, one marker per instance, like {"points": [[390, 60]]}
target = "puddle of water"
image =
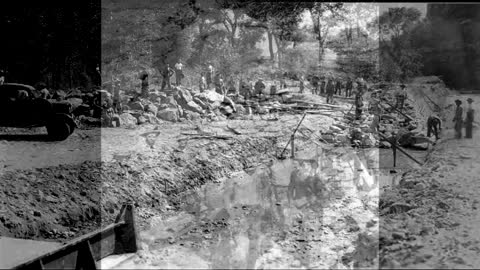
{"points": [[239, 222]]}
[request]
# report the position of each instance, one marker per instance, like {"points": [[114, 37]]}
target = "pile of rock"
{"points": [[178, 106]]}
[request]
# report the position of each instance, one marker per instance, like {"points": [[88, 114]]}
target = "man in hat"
{"points": [[338, 87], [469, 119], [322, 86], [434, 125], [166, 74], [259, 87], [202, 83], [349, 88], [315, 81], [330, 90], [458, 119], [144, 79], [401, 97], [302, 84], [209, 76], [2, 77], [359, 103], [178, 72]]}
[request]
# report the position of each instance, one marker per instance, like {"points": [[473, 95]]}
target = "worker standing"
{"points": [[349, 88], [401, 97], [2, 77], [166, 74], [209, 76], [315, 81], [458, 119], [302, 84], [144, 78], [259, 87], [202, 83], [178, 73], [469, 119], [330, 90], [322, 86], [359, 104], [338, 87]]}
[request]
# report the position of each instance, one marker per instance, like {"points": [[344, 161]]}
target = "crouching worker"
{"points": [[434, 125]]}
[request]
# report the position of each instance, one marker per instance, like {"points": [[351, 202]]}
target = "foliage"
{"points": [[400, 59], [58, 45], [396, 21]]}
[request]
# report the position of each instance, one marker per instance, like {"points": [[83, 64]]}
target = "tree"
{"points": [[279, 19], [356, 16], [324, 16], [395, 21], [399, 59]]}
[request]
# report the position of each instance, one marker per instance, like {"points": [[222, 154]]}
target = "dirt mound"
{"points": [[69, 200]]}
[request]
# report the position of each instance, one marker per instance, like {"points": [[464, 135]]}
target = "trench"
{"points": [[251, 219]]}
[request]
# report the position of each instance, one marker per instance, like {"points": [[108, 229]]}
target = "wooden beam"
{"points": [[400, 149]]}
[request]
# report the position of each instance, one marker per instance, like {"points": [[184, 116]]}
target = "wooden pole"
{"points": [[399, 149], [293, 145], [394, 149], [299, 123], [408, 117]]}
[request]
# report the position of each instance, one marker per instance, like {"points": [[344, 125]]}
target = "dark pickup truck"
{"points": [[22, 107]]}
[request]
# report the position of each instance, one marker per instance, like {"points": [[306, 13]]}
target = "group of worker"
{"points": [[460, 122], [332, 86]]}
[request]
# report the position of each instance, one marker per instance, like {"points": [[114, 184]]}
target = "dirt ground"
{"points": [[211, 194], [430, 220], [60, 190]]}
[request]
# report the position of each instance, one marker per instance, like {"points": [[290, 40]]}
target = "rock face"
{"points": [[455, 54], [127, 120], [169, 114]]}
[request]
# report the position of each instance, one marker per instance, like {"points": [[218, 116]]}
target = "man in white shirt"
{"points": [[178, 72], [2, 77]]}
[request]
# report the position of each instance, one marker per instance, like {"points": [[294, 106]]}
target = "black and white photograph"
{"points": [[229, 134]]}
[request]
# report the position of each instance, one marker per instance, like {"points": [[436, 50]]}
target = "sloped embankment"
{"points": [[62, 202]]}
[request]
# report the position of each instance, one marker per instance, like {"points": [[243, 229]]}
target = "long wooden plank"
{"points": [[84, 251]]}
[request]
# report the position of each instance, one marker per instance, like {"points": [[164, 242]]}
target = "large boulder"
{"points": [[200, 103], [181, 111], [240, 109], [184, 94], [170, 114], [210, 96], [75, 102], [152, 119], [194, 107], [335, 129], [229, 101], [127, 120], [189, 115], [151, 108], [215, 105], [136, 105], [155, 96], [170, 102], [368, 140], [342, 138], [227, 110], [142, 120]]}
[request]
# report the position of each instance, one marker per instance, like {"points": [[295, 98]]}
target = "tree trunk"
{"points": [[279, 51], [358, 30], [320, 43], [270, 45]]}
